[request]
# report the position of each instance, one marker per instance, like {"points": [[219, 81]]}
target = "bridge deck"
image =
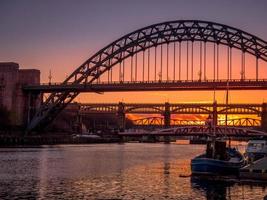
{"points": [[248, 84]]}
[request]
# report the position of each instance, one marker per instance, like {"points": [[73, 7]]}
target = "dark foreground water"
{"points": [[110, 171]]}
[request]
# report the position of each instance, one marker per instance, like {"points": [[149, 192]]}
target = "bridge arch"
{"points": [[247, 110], [157, 109], [140, 40], [201, 109], [103, 108], [167, 32]]}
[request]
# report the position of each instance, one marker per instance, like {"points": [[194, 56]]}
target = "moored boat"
{"points": [[256, 149], [218, 160]]}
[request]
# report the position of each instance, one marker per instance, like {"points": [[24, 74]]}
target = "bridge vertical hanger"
{"points": [[111, 72], [244, 58], [187, 60], [148, 64], [99, 77], [136, 67], [120, 77], [108, 76], [192, 61], [214, 61], [155, 73], [242, 66], [230, 63], [174, 53], [257, 68], [131, 68], [167, 61], [161, 62], [200, 61], [143, 65], [218, 62], [123, 67], [180, 60], [205, 46]]}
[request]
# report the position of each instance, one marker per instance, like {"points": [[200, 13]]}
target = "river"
{"points": [[110, 171]]}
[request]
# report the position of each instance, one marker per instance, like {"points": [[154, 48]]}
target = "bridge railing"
{"points": [[158, 81]]}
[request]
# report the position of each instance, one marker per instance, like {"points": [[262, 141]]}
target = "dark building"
{"points": [[12, 97]]}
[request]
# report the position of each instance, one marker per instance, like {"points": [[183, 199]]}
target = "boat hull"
{"points": [[214, 167]]}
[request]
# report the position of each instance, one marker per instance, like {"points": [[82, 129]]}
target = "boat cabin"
{"points": [[256, 149]]}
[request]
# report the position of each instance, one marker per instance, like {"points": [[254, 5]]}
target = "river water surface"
{"points": [[110, 171]]}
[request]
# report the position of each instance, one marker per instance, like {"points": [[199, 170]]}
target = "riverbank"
{"points": [[35, 140]]}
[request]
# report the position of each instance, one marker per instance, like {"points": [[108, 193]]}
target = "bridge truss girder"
{"points": [[248, 109]]}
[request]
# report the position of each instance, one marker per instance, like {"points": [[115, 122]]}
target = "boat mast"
{"points": [[214, 121], [226, 111]]}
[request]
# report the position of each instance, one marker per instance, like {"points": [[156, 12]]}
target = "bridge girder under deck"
{"points": [[182, 108], [150, 86]]}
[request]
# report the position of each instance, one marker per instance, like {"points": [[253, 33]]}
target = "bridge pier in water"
{"points": [[78, 123], [167, 115], [121, 116], [264, 117]]}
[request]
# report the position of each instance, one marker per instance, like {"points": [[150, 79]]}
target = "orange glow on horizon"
{"points": [[192, 117]]}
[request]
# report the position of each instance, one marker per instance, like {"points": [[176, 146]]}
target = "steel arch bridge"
{"points": [[87, 76]]}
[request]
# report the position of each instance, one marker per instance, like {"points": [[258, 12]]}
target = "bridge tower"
{"points": [[121, 116], [264, 117], [167, 115]]}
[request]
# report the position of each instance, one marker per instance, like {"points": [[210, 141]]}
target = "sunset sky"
{"points": [[60, 35]]}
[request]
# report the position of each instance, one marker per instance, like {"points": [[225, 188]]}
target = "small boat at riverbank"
{"points": [[256, 149], [218, 160]]}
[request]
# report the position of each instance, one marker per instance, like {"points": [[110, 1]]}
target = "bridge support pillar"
{"points": [[215, 114], [78, 123], [264, 117], [33, 101], [121, 116], [167, 115]]}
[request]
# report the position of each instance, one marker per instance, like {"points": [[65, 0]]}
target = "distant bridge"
{"points": [[173, 108], [165, 112]]}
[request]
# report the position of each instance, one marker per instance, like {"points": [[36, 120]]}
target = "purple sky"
{"points": [[61, 34]]}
